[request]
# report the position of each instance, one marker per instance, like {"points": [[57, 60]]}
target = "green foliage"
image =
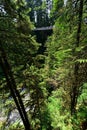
{"points": [[16, 126], [82, 101], [20, 47], [62, 57], [82, 60], [37, 95], [39, 13], [47, 89], [61, 118]]}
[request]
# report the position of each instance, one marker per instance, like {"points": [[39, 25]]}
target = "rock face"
{"points": [[14, 116], [2, 119]]}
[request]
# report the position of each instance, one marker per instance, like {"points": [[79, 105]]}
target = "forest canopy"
{"points": [[43, 74]]}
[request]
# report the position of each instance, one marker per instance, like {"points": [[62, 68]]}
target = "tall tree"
{"points": [[40, 11], [13, 15], [66, 59], [76, 84]]}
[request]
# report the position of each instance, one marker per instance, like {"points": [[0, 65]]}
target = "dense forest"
{"points": [[43, 74]]}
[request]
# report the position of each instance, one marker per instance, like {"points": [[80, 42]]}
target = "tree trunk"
{"points": [[12, 86], [76, 84]]}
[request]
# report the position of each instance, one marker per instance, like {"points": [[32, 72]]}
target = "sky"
{"points": [[65, 1]]}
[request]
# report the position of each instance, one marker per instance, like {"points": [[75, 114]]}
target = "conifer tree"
{"points": [[15, 33]]}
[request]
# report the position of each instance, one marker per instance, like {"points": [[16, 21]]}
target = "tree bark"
{"points": [[76, 84], [13, 89]]}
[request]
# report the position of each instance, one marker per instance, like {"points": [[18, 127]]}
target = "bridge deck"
{"points": [[43, 28]]}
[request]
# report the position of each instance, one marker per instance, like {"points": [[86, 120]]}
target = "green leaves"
{"points": [[62, 57], [59, 116], [82, 60]]}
